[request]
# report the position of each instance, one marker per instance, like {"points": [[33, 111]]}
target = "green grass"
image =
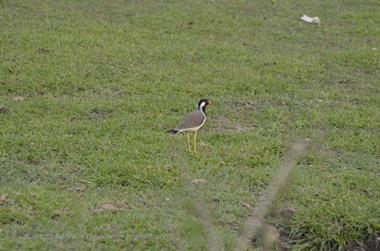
{"points": [[102, 81]]}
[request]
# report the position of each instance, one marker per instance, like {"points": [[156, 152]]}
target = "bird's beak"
{"points": [[209, 103]]}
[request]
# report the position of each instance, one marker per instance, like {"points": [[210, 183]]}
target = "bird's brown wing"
{"points": [[194, 119]]}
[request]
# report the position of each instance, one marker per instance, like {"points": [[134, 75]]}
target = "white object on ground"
{"points": [[311, 20]]}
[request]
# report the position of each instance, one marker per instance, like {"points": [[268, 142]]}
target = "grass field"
{"points": [[88, 90]]}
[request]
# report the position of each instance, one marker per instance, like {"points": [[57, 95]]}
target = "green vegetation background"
{"points": [[88, 89]]}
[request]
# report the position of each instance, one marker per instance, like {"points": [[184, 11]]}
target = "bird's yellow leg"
{"points": [[195, 142], [188, 141]]}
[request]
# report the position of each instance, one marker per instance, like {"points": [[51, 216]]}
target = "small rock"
{"points": [[2, 198], [18, 98], [246, 205], [108, 206], [198, 181]]}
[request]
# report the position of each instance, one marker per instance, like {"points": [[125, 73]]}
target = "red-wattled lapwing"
{"points": [[193, 122]]}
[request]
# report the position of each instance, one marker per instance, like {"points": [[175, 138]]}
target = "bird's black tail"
{"points": [[173, 131]]}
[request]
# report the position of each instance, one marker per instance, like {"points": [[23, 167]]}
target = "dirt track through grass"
{"points": [[213, 239], [255, 220], [214, 242]]}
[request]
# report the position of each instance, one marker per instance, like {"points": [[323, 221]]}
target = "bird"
{"points": [[193, 122]]}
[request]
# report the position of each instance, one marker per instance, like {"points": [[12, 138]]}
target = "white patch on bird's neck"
{"points": [[203, 104]]}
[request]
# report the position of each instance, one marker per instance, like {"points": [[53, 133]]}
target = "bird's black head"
{"points": [[202, 104]]}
